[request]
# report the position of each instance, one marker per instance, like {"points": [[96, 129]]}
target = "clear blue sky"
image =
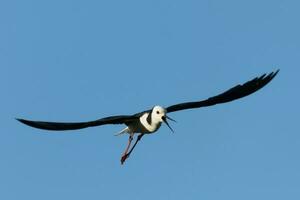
{"points": [[64, 60]]}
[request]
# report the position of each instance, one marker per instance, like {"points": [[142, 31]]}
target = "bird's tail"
{"points": [[125, 130]]}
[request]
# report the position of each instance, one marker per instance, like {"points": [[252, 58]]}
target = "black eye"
{"points": [[157, 112]]}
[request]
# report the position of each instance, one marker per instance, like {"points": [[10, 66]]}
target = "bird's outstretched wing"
{"points": [[60, 126], [234, 93]]}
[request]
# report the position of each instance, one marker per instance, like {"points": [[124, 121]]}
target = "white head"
{"points": [[159, 115]]}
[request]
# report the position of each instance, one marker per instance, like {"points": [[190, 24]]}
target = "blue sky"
{"points": [[82, 60]]}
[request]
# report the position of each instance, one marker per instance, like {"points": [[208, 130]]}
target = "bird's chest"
{"points": [[144, 126]]}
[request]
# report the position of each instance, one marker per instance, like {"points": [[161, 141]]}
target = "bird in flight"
{"points": [[149, 121]]}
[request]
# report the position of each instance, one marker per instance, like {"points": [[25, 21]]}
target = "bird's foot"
{"points": [[123, 158]]}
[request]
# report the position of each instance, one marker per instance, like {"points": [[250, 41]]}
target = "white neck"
{"points": [[155, 123]]}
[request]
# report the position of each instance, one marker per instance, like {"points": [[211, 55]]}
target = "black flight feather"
{"points": [[234, 93], [61, 126]]}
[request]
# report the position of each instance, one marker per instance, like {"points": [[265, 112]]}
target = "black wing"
{"points": [[60, 126], [234, 93]]}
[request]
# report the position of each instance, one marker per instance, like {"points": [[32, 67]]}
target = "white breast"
{"points": [[149, 127]]}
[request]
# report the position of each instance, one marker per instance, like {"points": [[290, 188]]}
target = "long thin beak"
{"points": [[170, 118], [164, 118]]}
